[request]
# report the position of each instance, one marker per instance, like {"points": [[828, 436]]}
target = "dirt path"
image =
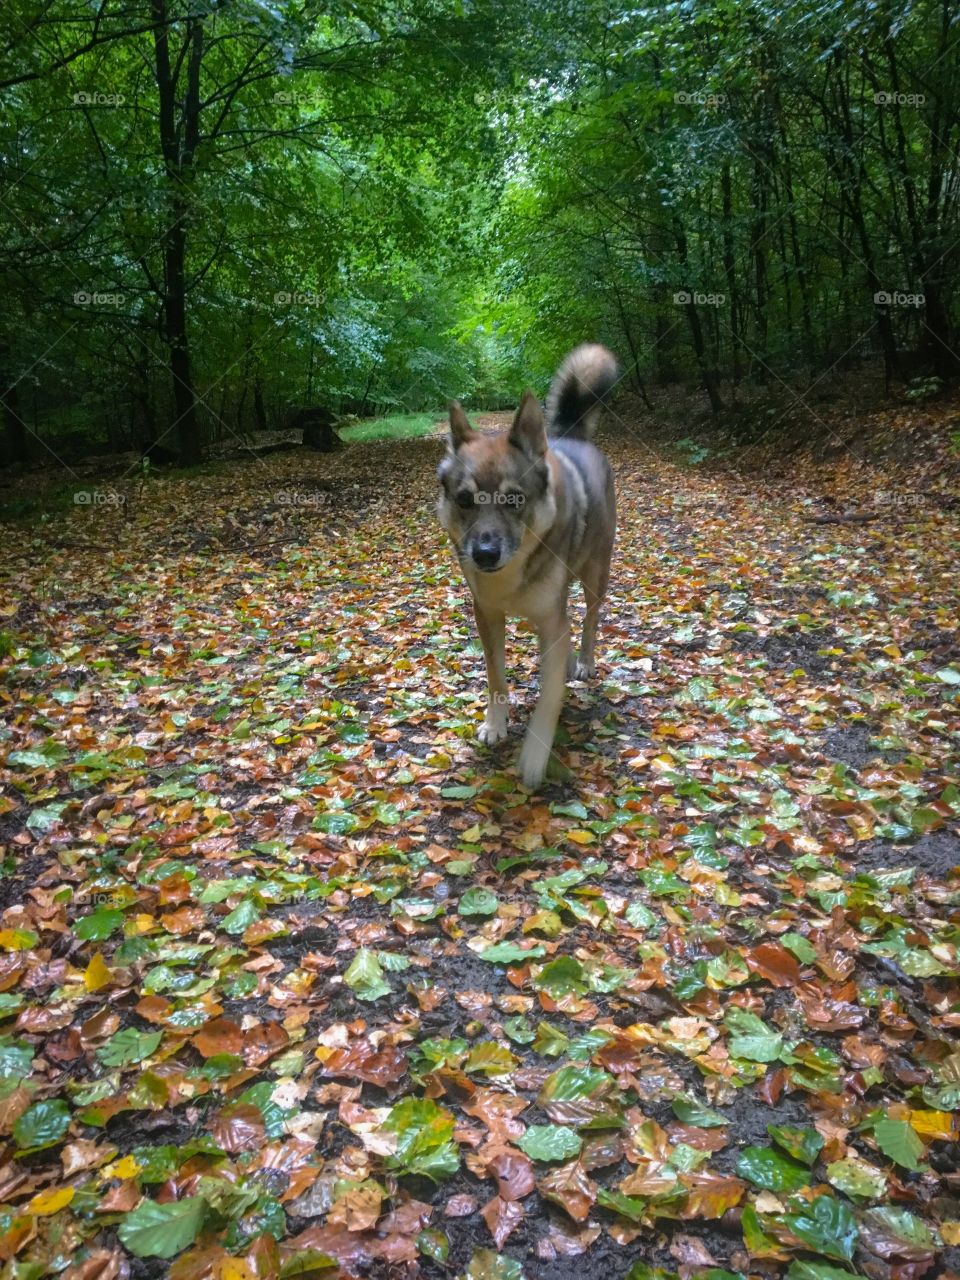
{"points": [[262, 888]]}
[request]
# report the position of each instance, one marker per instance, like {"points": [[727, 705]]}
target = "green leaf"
{"points": [[817, 1271], [949, 675], [433, 1244], [801, 947], [478, 902], [510, 953], [631, 1207], [128, 1046], [640, 916], [365, 976], [771, 1171], [424, 1139], [690, 1111], [550, 1041], [162, 1230], [750, 1037], [487, 1265], [900, 1223], [856, 1178], [803, 1144], [99, 925], [899, 1141], [582, 1095], [826, 1226], [550, 1142], [519, 1030], [42, 1125], [640, 1271], [16, 1059], [491, 1059], [241, 917], [561, 976]]}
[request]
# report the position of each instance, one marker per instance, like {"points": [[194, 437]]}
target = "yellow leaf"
{"points": [[892, 651], [933, 1124], [234, 1269], [97, 974], [141, 923], [581, 837], [17, 939], [950, 1232], [47, 1202], [127, 1167], [471, 835]]}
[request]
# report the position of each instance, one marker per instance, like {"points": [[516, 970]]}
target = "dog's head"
{"points": [[495, 493]]}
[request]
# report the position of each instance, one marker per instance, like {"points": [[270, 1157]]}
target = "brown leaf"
{"points": [[570, 1188], [460, 1207], [102, 1264], [219, 1036], [12, 1108], [498, 1111], [710, 1195], [361, 1061], [514, 1173], [83, 1153], [239, 1127], [99, 1028], [775, 963], [262, 1042], [357, 1209], [121, 1199], [565, 1241], [502, 1218]]}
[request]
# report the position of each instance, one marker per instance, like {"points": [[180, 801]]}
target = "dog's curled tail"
{"points": [[578, 389]]}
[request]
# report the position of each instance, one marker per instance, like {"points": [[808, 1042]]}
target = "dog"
{"points": [[530, 510]]}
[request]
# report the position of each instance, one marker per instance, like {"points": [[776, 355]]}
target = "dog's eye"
{"points": [[464, 498]]}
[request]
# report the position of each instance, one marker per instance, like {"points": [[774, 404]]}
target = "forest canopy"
{"points": [[218, 213]]}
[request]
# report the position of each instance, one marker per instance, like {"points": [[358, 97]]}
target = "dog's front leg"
{"points": [[554, 652], [491, 627]]}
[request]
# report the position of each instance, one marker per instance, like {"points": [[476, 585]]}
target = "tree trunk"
{"points": [[177, 162], [15, 434]]}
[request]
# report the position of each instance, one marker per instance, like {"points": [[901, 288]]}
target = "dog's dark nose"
{"points": [[486, 551]]}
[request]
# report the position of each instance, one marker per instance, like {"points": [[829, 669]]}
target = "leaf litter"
{"points": [[296, 979]]}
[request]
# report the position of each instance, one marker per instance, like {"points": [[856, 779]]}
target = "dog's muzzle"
{"points": [[486, 552]]}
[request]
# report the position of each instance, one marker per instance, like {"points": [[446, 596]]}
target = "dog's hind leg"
{"points": [[595, 579], [492, 627], [554, 651]]}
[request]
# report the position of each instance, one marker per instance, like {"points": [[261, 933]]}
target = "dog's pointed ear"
{"points": [[529, 429], [460, 429]]}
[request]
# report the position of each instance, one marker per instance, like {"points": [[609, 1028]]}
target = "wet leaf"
{"points": [[550, 1142]]}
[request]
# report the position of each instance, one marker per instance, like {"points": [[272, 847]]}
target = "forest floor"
{"points": [[293, 969]]}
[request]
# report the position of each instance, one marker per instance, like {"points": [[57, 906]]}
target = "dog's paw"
{"points": [[584, 670], [492, 731], [534, 758]]}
